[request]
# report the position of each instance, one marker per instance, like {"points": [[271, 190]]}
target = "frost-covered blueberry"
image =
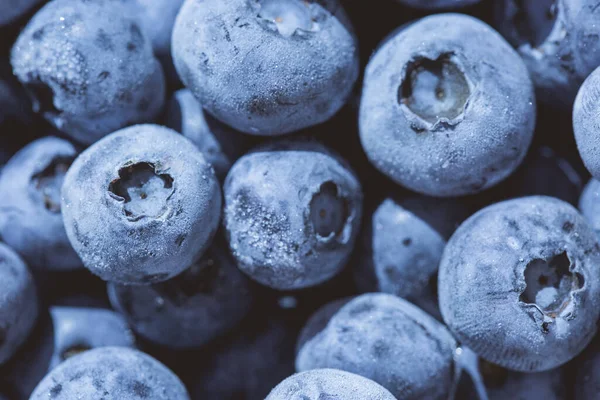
{"points": [[157, 18], [220, 144], [447, 107], [558, 41], [266, 67], [140, 205], [401, 254], [89, 68], [517, 283], [589, 204], [586, 121], [13, 9], [18, 302], [203, 302], [321, 384], [111, 373], [291, 214], [30, 216], [376, 330], [438, 4], [319, 320]]}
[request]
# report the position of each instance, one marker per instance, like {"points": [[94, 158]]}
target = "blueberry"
{"points": [[401, 254], [266, 67], [89, 69], [18, 302], [586, 120], [447, 107], [220, 144], [375, 330], [291, 214], [322, 384], [438, 4], [589, 204], [140, 205], [157, 17], [111, 373], [13, 9], [319, 320], [30, 216], [517, 283], [557, 40], [504, 384], [205, 301]]}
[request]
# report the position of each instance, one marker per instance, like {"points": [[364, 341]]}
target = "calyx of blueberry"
{"points": [[330, 212], [48, 182], [288, 17]]}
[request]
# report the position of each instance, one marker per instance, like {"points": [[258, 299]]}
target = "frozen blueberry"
{"points": [[321, 384], [438, 4], [376, 330], [291, 214], [319, 320], [447, 107], [89, 68], [157, 17], [111, 373], [517, 283], [141, 205], [202, 303], [30, 216], [586, 121], [13, 9], [220, 144], [18, 302], [266, 67], [558, 41], [589, 204], [503, 384], [401, 254]]}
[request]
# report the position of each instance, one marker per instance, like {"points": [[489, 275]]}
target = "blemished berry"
{"points": [[517, 283], [88, 68], [434, 113], [141, 205], [266, 67]]}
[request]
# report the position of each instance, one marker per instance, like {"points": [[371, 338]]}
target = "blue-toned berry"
{"points": [[157, 18], [320, 384], [438, 4], [587, 378], [205, 301], [30, 214], [13, 9], [111, 373], [586, 121], [589, 204], [503, 384], [319, 320], [376, 330], [517, 283], [447, 107], [557, 40], [89, 68], [141, 205], [292, 213], [18, 303], [266, 67]]}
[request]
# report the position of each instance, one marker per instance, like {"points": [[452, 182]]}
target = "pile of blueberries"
{"points": [[299, 199]]}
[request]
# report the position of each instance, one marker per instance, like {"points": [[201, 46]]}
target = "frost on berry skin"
{"points": [[111, 373], [589, 204], [438, 4], [586, 122], [157, 18], [88, 68], [14, 9], [447, 108], [30, 215], [557, 40], [266, 67], [140, 205], [220, 144], [319, 320], [326, 383], [205, 301], [18, 303], [375, 330], [292, 213], [401, 254], [517, 283]]}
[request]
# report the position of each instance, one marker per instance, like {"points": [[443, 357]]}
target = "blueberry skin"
{"points": [[438, 4], [319, 320], [14, 9], [292, 214], [18, 303], [89, 69], [589, 204], [547, 385], [435, 118], [388, 331], [328, 383], [30, 216], [260, 81], [157, 18], [586, 121], [557, 40], [111, 373], [140, 205], [205, 301], [504, 274], [220, 144], [77, 330]]}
